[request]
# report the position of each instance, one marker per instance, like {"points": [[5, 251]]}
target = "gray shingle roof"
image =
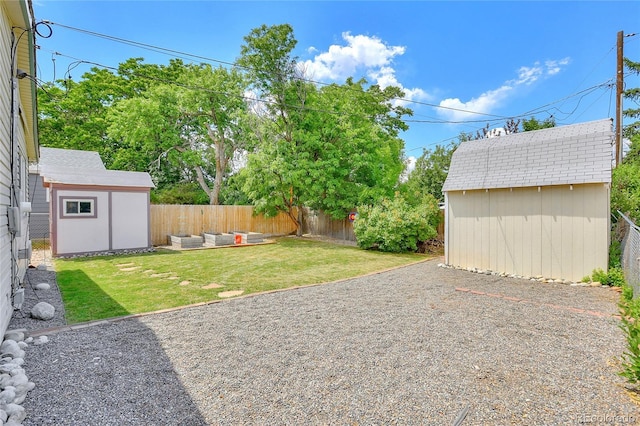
{"points": [[73, 167], [579, 153], [70, 158], [110, 178]]}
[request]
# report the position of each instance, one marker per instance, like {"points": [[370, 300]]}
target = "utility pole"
{"points": [[619, 90]]}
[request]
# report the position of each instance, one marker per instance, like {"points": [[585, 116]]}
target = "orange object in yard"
{"points": [[238, 239]]}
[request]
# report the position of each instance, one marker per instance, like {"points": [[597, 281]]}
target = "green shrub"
{"points": [[394, 225], [615, 277], [625, 190], [630, 325], [615, 254], [599, 275]]}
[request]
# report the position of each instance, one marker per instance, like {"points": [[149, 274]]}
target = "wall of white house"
{"points": [[5, 171], [557, 232], [15, 243], [130, 220]]}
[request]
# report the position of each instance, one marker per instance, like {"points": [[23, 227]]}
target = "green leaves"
{"points": [[394, 225], [430, 172]]}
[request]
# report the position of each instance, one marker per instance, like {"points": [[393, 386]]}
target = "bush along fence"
{"points": [[184, 220], [631, 255], [319, 223]]}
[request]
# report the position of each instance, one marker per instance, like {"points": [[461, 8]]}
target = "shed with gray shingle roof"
{"points": [[93, 209], [533, 204]]}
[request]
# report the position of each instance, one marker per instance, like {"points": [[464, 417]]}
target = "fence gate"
{"points": [[631, 255]]}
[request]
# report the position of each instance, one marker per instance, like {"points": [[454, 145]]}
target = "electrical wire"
{"points": [[183, 55], [547, 108]]}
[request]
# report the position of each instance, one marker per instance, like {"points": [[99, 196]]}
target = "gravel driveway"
{"points": [[415, 345]]}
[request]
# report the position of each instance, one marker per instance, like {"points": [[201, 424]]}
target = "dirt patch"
{"points": [[232, 293], [212, 285]]}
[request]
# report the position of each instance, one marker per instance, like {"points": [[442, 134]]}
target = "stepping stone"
{"points": [[172, 278], [149, 271], [123, 265], [164, 274], [212, 285], [232, 293], [185, 282], [133, 268]]}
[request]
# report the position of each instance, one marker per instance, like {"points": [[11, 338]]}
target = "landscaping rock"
{"points": [[16, 335], [14, 410], [43, 286], [11, 348], [41, 340], [43, 311], [8, 395]]}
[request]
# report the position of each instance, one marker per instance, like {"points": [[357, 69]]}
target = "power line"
{"points": [[184, 55]]}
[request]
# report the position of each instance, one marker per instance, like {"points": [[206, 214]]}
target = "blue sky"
{"points": [[500, 59]]}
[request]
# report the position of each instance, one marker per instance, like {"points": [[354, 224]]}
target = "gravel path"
{"points": [[408, 346]]}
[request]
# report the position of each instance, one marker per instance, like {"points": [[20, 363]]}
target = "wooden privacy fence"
{"points": [[318, 223], [196, 219]]}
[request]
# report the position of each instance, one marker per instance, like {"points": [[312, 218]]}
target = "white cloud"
{"points": [[529, 75], [457, 110], [364, 54], [554, 67]]}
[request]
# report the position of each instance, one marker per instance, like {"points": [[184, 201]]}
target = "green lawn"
{"points": [[103, 287]]}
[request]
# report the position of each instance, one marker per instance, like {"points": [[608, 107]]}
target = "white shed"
{"points": [[533, 203], [93, 209]]}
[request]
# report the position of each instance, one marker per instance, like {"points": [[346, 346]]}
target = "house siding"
{"points": [[5, 171], [39, 217], [557, 232], [12, 264]]}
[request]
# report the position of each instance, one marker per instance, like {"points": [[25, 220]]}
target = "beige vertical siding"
{"points": [[557, 232]]}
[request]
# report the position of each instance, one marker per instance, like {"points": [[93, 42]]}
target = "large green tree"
{"points": [[535, 124], [193, 126], [625, 188], [73, 114], [430, 172], [329, 148]]}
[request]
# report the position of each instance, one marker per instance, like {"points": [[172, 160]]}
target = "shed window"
{"points": [[78, 207]]}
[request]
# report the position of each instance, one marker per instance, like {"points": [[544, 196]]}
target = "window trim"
{"points": [[66, 198]]}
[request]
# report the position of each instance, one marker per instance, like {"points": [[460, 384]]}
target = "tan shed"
{"points": [[534, 204]]}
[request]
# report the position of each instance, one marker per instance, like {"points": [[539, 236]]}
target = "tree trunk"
{"points": [[212, 193], [300, 221]]}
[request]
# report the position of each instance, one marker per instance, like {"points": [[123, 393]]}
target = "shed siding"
{"points": [[130, 220], [557, 232], [80, 235]]}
